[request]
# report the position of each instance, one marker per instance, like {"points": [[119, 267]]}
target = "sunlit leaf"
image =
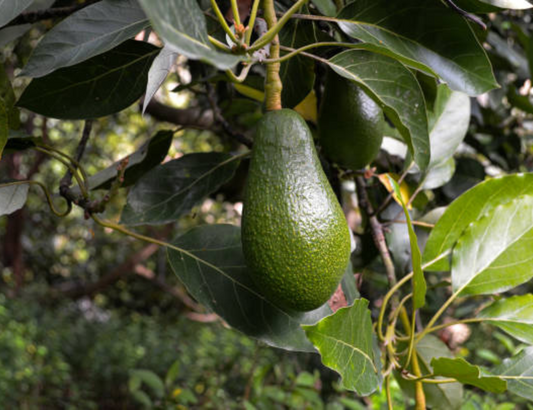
{"points": [[468, 208], [495, 252], [514, 315], [344, 341], [519, 370], [467, 373]]}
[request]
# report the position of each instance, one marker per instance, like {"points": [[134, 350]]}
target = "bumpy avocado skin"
{"points": [[350, 123], [294, 234]]}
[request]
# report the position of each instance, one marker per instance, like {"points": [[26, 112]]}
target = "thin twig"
{"points": [[465, 14], [66, 181]]}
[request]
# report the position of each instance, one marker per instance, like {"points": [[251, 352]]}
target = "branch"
{"points": [[465, 14], [196, 117], [52, 13]]}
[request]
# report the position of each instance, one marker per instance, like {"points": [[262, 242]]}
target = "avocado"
{"points": [[350, 123], [295, 237]]}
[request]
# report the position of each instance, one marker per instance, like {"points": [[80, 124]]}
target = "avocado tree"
{"points": [[388, 89]]}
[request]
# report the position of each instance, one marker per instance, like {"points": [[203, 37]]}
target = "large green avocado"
{"points": [[350, 123], [295, 237]]}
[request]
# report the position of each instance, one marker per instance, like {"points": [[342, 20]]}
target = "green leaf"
{"points": [[439, 175], [142, 398], [494, 254], [425, 35], [419, 282], [9, 9], [297, 73], [215, 274], [173, 188], [519, 371], [513, 315], [395, 88], [469, 207], [159, 70], [344, 341], [88, 32], [447, 396], [149, 155], [181, 24], [4, 129], [20, 141], [100, 86], [12, 198], [448, 123], [172, 374], [467, 373], [325, 7], [151, 379]]}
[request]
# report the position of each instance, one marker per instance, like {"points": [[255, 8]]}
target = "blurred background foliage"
{"points": [[84, 324]]}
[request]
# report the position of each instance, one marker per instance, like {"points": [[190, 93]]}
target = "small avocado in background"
{"points": [[295, 238], [350, 123]]}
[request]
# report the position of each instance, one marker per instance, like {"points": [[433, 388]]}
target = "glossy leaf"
{"points": [[12, 198], [468, 208], [9, 9], [513, 315], [447, 396], [181, 24], [519, 369], [88, 32], [344, 341], [325, 7], [495, 252], [158, 73], [448, 123], [419, 282], [439, 175], [467, 373], [103, 85], [425, 35], [297, 73], [392, 86], [149, 155], [173, 188], [11, 33], [213, 270]]}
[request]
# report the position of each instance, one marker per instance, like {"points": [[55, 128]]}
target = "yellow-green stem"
{"points": [[236, 15], [420, 397], [223, 23], [273, 84], [251, 22]]}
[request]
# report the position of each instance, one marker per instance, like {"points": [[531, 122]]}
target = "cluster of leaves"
{"points": [[419, 62]]}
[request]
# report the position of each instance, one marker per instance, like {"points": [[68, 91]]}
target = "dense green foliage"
{"points": [[126, 280]]}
